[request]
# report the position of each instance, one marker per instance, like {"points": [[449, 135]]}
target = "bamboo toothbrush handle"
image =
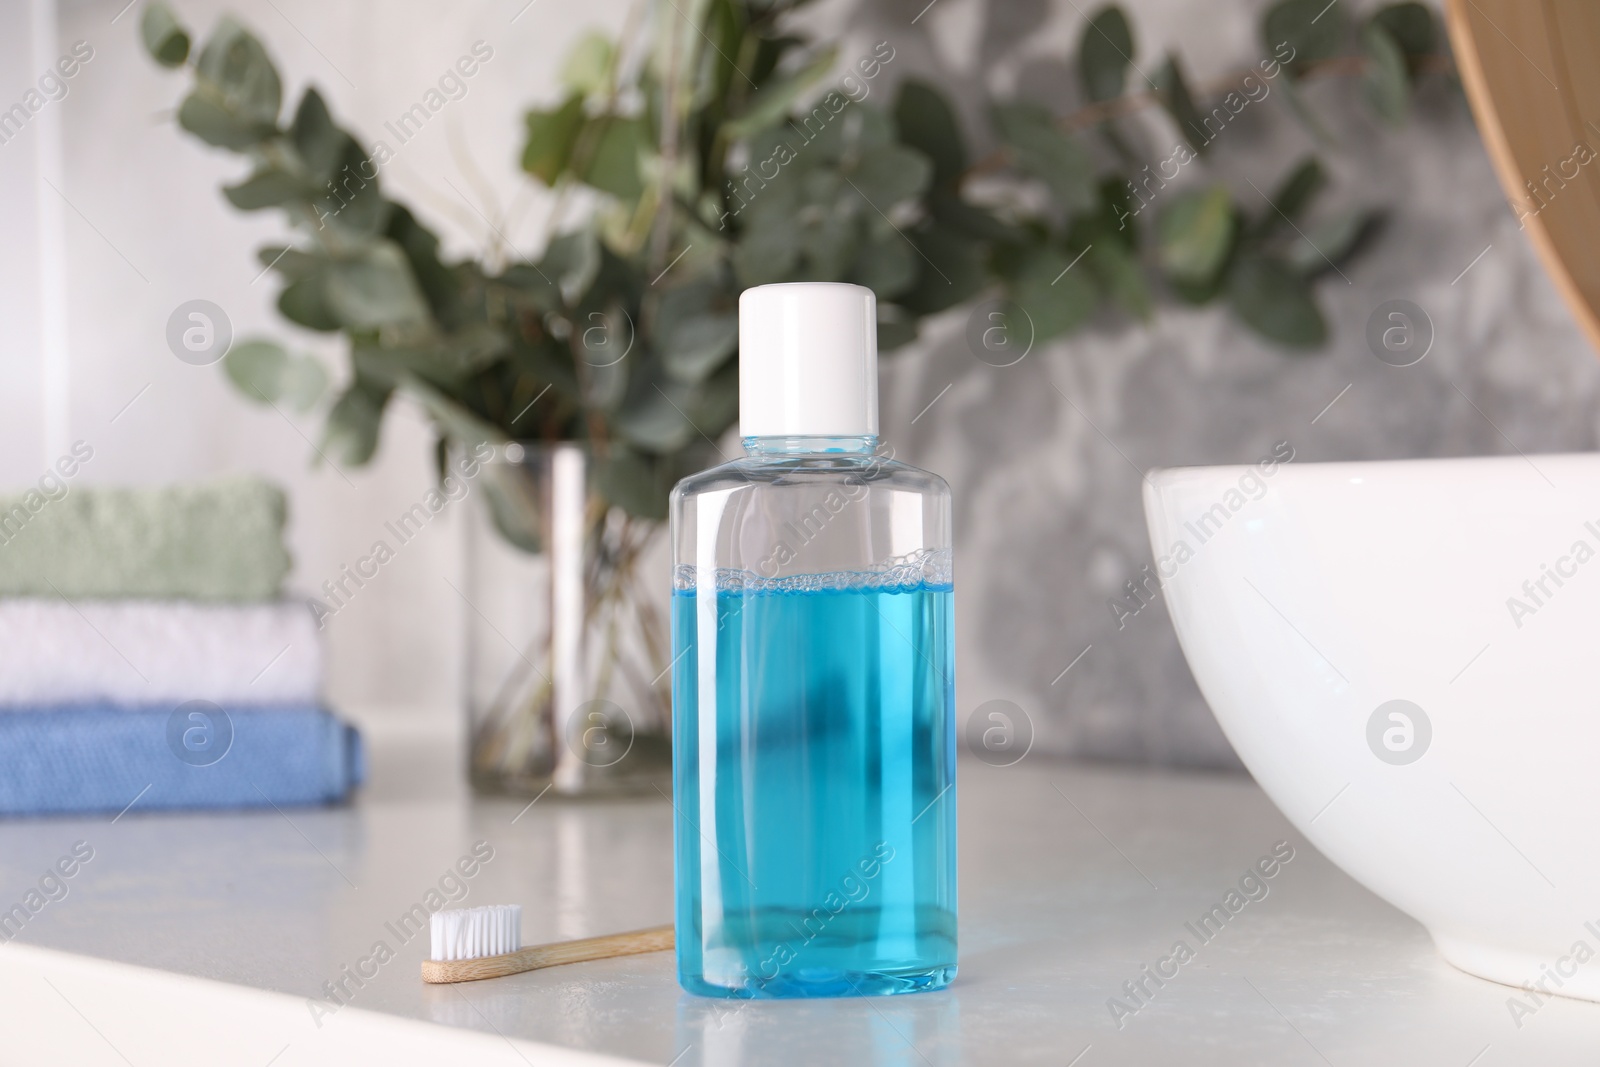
{"points": [[655, 939]]}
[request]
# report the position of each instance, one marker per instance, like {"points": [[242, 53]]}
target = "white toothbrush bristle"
{"points": [[473, 933]]}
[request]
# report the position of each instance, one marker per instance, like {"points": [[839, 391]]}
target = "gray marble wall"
{"points": [[1045, 457]]}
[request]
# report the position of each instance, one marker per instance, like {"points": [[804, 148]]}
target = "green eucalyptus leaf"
{"points": [[604, 322], [810, 140], [446, 360], [890, 174], [257, 368], [665, 416], [374, 290], [948, 208], [1315, 29], [267, 187], [806, 226], [1411, 25], [950, 269], [572, 262], [867, 127], [305, 301], [723, 29], [1058, 293], [872, 128], [604, 385], [264, 371], [1329, 244], [716, 407], [1385, 81], [633, 481], [768, 248], [1105, 53], [831, 240], [657, 417], [861, 128], [440, 284], [615, 147], [536, 367], [1048, 154], [704, 248], [768, 251], [291, 263], [461, 425], [1294, 96], [350, 435], [926, 122], [1272, 299], [587, 69], [551, 137], [350, 201], [1293, 196], [531, 293], [1119, 274], [1113, 218], [887, 266], [1179, 102], [511, 491], [1194, 232], [1199, 293], [775, 100], [204, 114], [164, 37], [697, 329], [319, 143], [235, 68], [304, 382]]}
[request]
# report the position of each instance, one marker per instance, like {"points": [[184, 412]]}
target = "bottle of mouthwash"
{"points": [[813, 687]]}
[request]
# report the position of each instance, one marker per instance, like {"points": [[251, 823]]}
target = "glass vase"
{"points": [[568, 647]]}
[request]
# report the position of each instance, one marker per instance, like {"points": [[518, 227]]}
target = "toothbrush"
{"points": [[468, 944]]}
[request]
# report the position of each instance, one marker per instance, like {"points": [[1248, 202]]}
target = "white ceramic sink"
{"points": [[1308, 597]]}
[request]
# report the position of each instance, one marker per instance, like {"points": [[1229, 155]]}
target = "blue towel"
{"points": [[96, 757]]}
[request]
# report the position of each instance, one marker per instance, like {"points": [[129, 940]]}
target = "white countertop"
{"points": [[204, 938]]}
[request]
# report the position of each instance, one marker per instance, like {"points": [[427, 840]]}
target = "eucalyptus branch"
{"points": [[791, 181], [613, 90], [1091, 115], [1350, 66]]}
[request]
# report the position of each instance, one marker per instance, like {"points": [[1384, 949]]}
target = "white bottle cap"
{"points": [[808, 361]]}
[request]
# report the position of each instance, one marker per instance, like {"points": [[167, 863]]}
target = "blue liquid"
{"points": [[814, 773]]}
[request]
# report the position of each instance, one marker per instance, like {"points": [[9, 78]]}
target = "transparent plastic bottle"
{"points": [[813, 686]]}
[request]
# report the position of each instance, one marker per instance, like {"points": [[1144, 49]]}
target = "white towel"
{"points": [[157, 652]]}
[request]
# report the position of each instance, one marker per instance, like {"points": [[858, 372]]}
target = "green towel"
{"points": [[221, 541]]}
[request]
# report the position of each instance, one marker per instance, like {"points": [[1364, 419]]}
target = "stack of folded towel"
{"points": [[146, 660]]}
